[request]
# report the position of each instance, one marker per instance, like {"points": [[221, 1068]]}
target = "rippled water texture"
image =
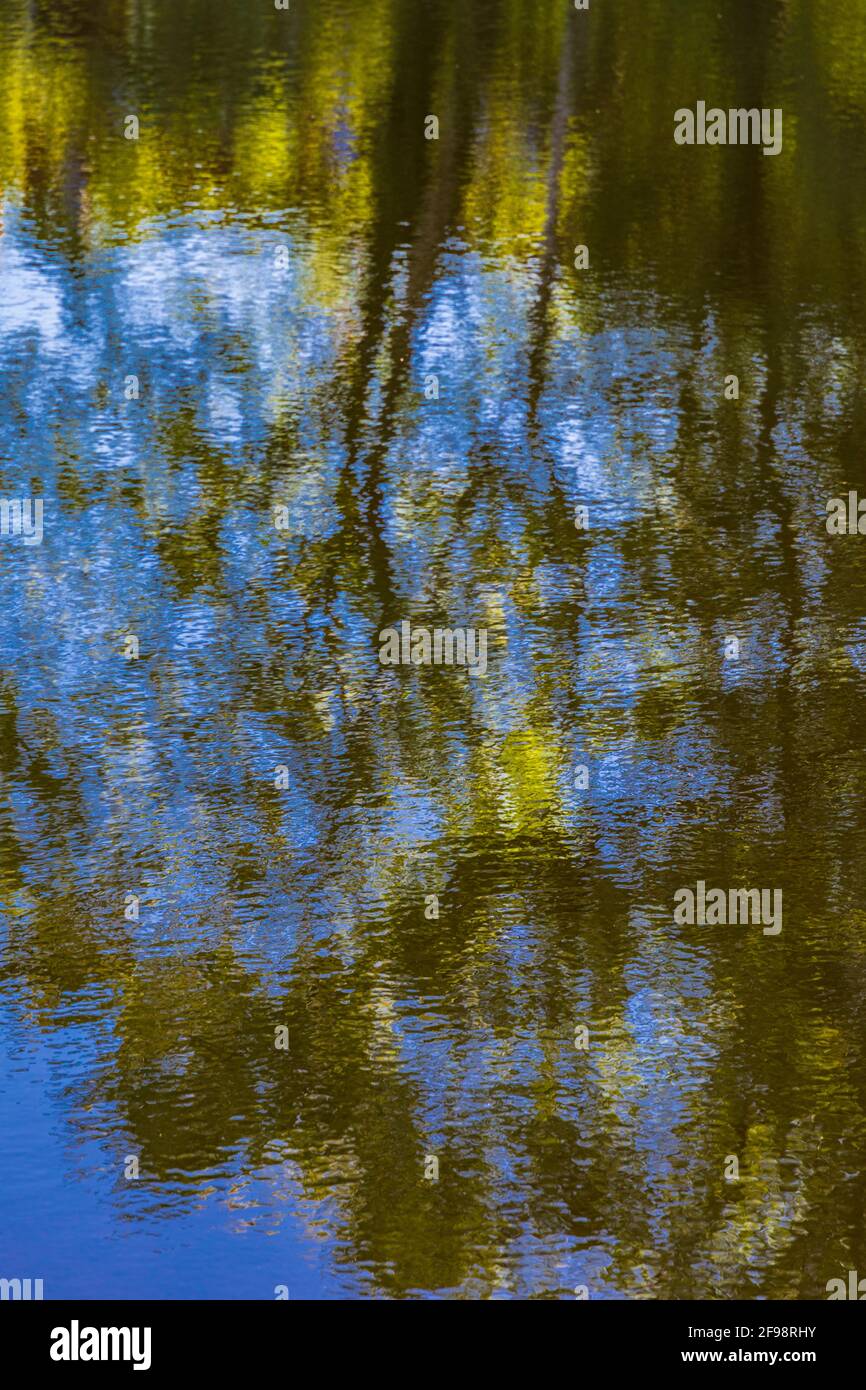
{"points": [[221, 816]]}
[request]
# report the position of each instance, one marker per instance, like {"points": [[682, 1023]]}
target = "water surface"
{"points": [[284, 263]]}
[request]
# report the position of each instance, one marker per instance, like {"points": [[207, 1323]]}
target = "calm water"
{"points": [[284, 263]]}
